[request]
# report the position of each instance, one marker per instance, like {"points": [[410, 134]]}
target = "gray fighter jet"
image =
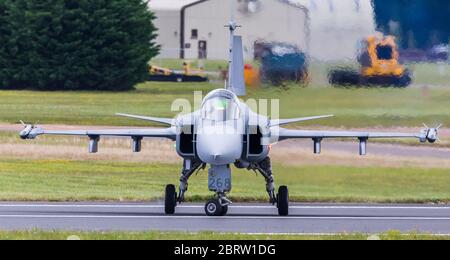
{"points": [[226, 132]]}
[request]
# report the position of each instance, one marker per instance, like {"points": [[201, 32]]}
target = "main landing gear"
{"points": [[281, 200], [218, 206], [170, 199], [171, 196]]}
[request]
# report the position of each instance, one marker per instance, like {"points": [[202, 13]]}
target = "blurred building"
{"points": [[193, 29], [337, 26]]}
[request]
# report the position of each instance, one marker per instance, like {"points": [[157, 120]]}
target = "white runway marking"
{"points": [[231, 206], [253, 217], [225, 217]]}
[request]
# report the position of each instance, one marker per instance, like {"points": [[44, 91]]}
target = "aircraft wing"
{"points": [[280, 122], [166, 121], [425, 135], [163, 133], [288, 134], [31, 132]]}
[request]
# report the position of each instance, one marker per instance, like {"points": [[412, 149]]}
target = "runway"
{"points": [[242, 218]]}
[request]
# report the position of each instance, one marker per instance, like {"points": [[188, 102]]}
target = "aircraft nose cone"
{"points": [[218, 148]]}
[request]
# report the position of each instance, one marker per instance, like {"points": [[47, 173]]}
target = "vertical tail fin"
{"points": [[237, 68], [236, 81]]}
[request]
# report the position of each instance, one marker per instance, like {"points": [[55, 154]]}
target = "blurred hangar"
{"points": [[327, 30], [281, 37], [188, 28]]}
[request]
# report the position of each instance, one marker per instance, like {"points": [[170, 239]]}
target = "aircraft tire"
{"points": [[224, 210], [283, 201], [170, 199], [213, 208]]}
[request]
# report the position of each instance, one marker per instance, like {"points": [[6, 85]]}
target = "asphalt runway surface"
{"points": [[242, 218]]}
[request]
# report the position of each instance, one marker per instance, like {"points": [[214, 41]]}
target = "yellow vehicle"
{"points": [[168, 75], [155, 70], [379, 60], [188, 70]]}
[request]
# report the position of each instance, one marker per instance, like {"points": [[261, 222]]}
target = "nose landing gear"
{"points": [[217, 206]]}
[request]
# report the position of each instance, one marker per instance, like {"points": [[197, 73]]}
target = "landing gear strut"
{"points": [[281, 200], [265, 169], [171, 197], [189, 167]]}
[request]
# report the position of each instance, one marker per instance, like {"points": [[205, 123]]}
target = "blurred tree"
{"points": [[423, 23], [14, 44], [4, 34], [78, 44]]}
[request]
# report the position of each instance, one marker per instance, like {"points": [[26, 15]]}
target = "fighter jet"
{"points": [[223, 133]]}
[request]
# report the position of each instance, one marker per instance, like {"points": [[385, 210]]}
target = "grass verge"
{"points": [[64, 235], [351, 107], [66, 180]]}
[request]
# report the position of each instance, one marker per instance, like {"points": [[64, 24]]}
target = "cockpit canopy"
{"points": [[220, 106]]}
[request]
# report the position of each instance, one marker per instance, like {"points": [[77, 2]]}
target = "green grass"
{"points": [[431, 74], [61, 180], [352, 107], [94, 108], [65, 235]]}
